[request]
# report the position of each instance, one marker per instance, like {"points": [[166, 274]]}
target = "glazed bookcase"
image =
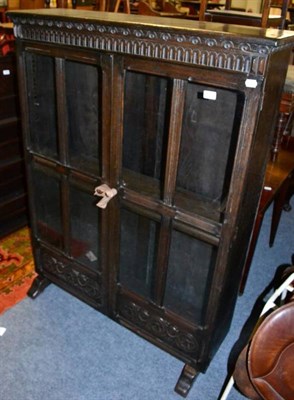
{"points": [[169, 122]]}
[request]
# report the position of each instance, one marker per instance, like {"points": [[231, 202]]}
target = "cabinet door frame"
{"points": [[208, 230], [85, 180]]}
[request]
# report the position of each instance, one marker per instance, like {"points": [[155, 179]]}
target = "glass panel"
{"points": [[145, 131], [82, 96], [190, 263], [209, 136], [47, 201], [84, 228], [41, 103], [138, 250]]}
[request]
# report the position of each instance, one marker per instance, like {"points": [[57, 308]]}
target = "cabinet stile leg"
{"points": [[186, 380], [39, 284]]}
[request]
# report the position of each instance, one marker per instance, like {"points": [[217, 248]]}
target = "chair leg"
{"points": [[280, 129], [287, 206], [228, 388], [116, 5], [126, 3], [279, 203], [250, 253]]}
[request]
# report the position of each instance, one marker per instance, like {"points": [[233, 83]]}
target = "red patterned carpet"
{"points": [[16, 268]]}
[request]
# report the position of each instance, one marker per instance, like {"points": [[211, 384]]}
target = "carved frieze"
{"points": [[159, 327], [189, 47], [68, 273]]}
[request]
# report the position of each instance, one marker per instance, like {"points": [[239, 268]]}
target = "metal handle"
{"points": [[106, 193]]}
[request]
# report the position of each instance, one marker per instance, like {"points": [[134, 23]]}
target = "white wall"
{"points": [[239, 3], [253, 5]]}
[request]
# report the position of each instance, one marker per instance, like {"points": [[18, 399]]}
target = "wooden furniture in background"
{"points": [[279, 177], [194, 5], [113, 5], [144, 8], [2, 15], [286, 114], [13, 199], [32, 4], [171, 128], [278, 188], [228, 16]]}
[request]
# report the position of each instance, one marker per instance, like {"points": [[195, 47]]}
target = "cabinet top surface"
{"points": [[269, 36]]}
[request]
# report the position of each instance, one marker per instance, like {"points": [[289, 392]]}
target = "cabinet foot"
{"points": [[39, 284], [186, 380]]}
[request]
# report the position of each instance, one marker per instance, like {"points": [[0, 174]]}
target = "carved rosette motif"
{"points": [[67, 272], [173, 46], [159, 327]]}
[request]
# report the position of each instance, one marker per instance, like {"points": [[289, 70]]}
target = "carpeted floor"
{"points": [[57, 348], [16, 268]]}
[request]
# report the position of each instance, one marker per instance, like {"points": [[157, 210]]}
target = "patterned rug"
{"points": [[16, 268]]}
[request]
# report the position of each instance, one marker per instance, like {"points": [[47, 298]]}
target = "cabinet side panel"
{"points": [[251, 191]]}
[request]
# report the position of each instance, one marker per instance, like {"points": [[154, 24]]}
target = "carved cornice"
{"points": [[203, 48]]}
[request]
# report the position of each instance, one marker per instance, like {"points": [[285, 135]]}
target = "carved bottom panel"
{"points": [[160, 327], [69, 273]]}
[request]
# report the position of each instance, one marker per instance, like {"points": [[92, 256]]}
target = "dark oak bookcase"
{"points": [[178, 118]]}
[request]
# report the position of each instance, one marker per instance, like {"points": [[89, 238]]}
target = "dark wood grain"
{"points": [[180, 134]]}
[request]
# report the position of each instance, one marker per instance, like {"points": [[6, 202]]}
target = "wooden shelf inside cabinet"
{"points": [[170, 130]]}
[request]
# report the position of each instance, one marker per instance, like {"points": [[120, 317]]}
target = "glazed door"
{"points": [[67, 154], [176, 168]]}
